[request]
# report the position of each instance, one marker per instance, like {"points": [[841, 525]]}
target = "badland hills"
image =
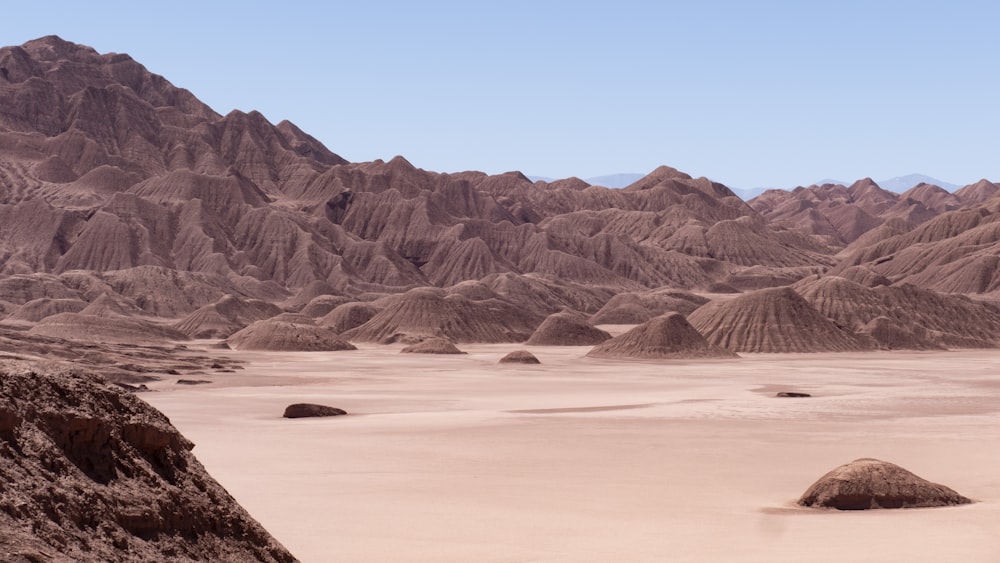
{"points": [[119, 188], [133, 216]]}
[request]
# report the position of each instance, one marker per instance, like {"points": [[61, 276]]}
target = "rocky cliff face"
{"points": [[91, 473]]}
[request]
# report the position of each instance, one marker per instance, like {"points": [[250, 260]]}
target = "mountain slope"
{"points": [[106, 166]]}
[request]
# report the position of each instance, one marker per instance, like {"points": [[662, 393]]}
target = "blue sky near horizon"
{"points": [[754, 93]]}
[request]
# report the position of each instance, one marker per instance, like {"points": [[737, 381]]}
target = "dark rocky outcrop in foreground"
{"points": [[306, 410], [89, 472], [869, 483], [519, 357]]}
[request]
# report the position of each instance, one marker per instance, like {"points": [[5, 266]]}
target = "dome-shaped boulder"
{"points": [[869, 483], [307, 410], [519, 357], [432, 346]]}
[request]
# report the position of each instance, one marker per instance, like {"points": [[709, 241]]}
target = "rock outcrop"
{"points": [[37, 309], [308, 410], [955, 252], [519, 357], [92, 328], [287, 337], [933, 320], [225, 317], [869, 483], [425, 312], [347, 316], [92, 473], [432, 346], [567, 328], [773, 320], [666, 337], [637, 308]]}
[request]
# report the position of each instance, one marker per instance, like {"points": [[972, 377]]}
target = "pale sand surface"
{"points": [[458, 458]]}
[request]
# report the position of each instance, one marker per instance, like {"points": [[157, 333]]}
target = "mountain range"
{"points": [[898, 184], [114, 181]]}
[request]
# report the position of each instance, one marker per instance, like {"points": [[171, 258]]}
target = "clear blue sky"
{"points": [[770, 93]]}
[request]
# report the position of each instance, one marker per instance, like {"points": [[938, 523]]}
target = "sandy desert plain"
{"points": [[457, 458]]}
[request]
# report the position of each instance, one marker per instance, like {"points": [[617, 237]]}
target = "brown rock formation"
{"points": [[92, 328], [842, 215], [432, 346], [111, 167], [320, 306], [956, 252], [225, 317], [891, 335], [121, 188], [347, 316], [108, 307], [92, 473], [118, 362], [668, 336], [567, 328], [864, 276], [773, 320], [424, 312], [941, 320], [978, 192], [308, 410], [519, 357], [37, 309], [637, 308], [288, 337], [834, 213], [869, 483]]}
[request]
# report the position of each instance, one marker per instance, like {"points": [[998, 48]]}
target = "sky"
{"points": [[748, 93]]}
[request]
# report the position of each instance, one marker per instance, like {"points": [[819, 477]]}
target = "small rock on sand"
{"points": [[304, 410], [519, 357]]}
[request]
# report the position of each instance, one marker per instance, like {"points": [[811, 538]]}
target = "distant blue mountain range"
{"points": [[899, 184]]}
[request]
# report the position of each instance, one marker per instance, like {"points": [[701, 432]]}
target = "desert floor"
{"points": [[457, 458]]}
